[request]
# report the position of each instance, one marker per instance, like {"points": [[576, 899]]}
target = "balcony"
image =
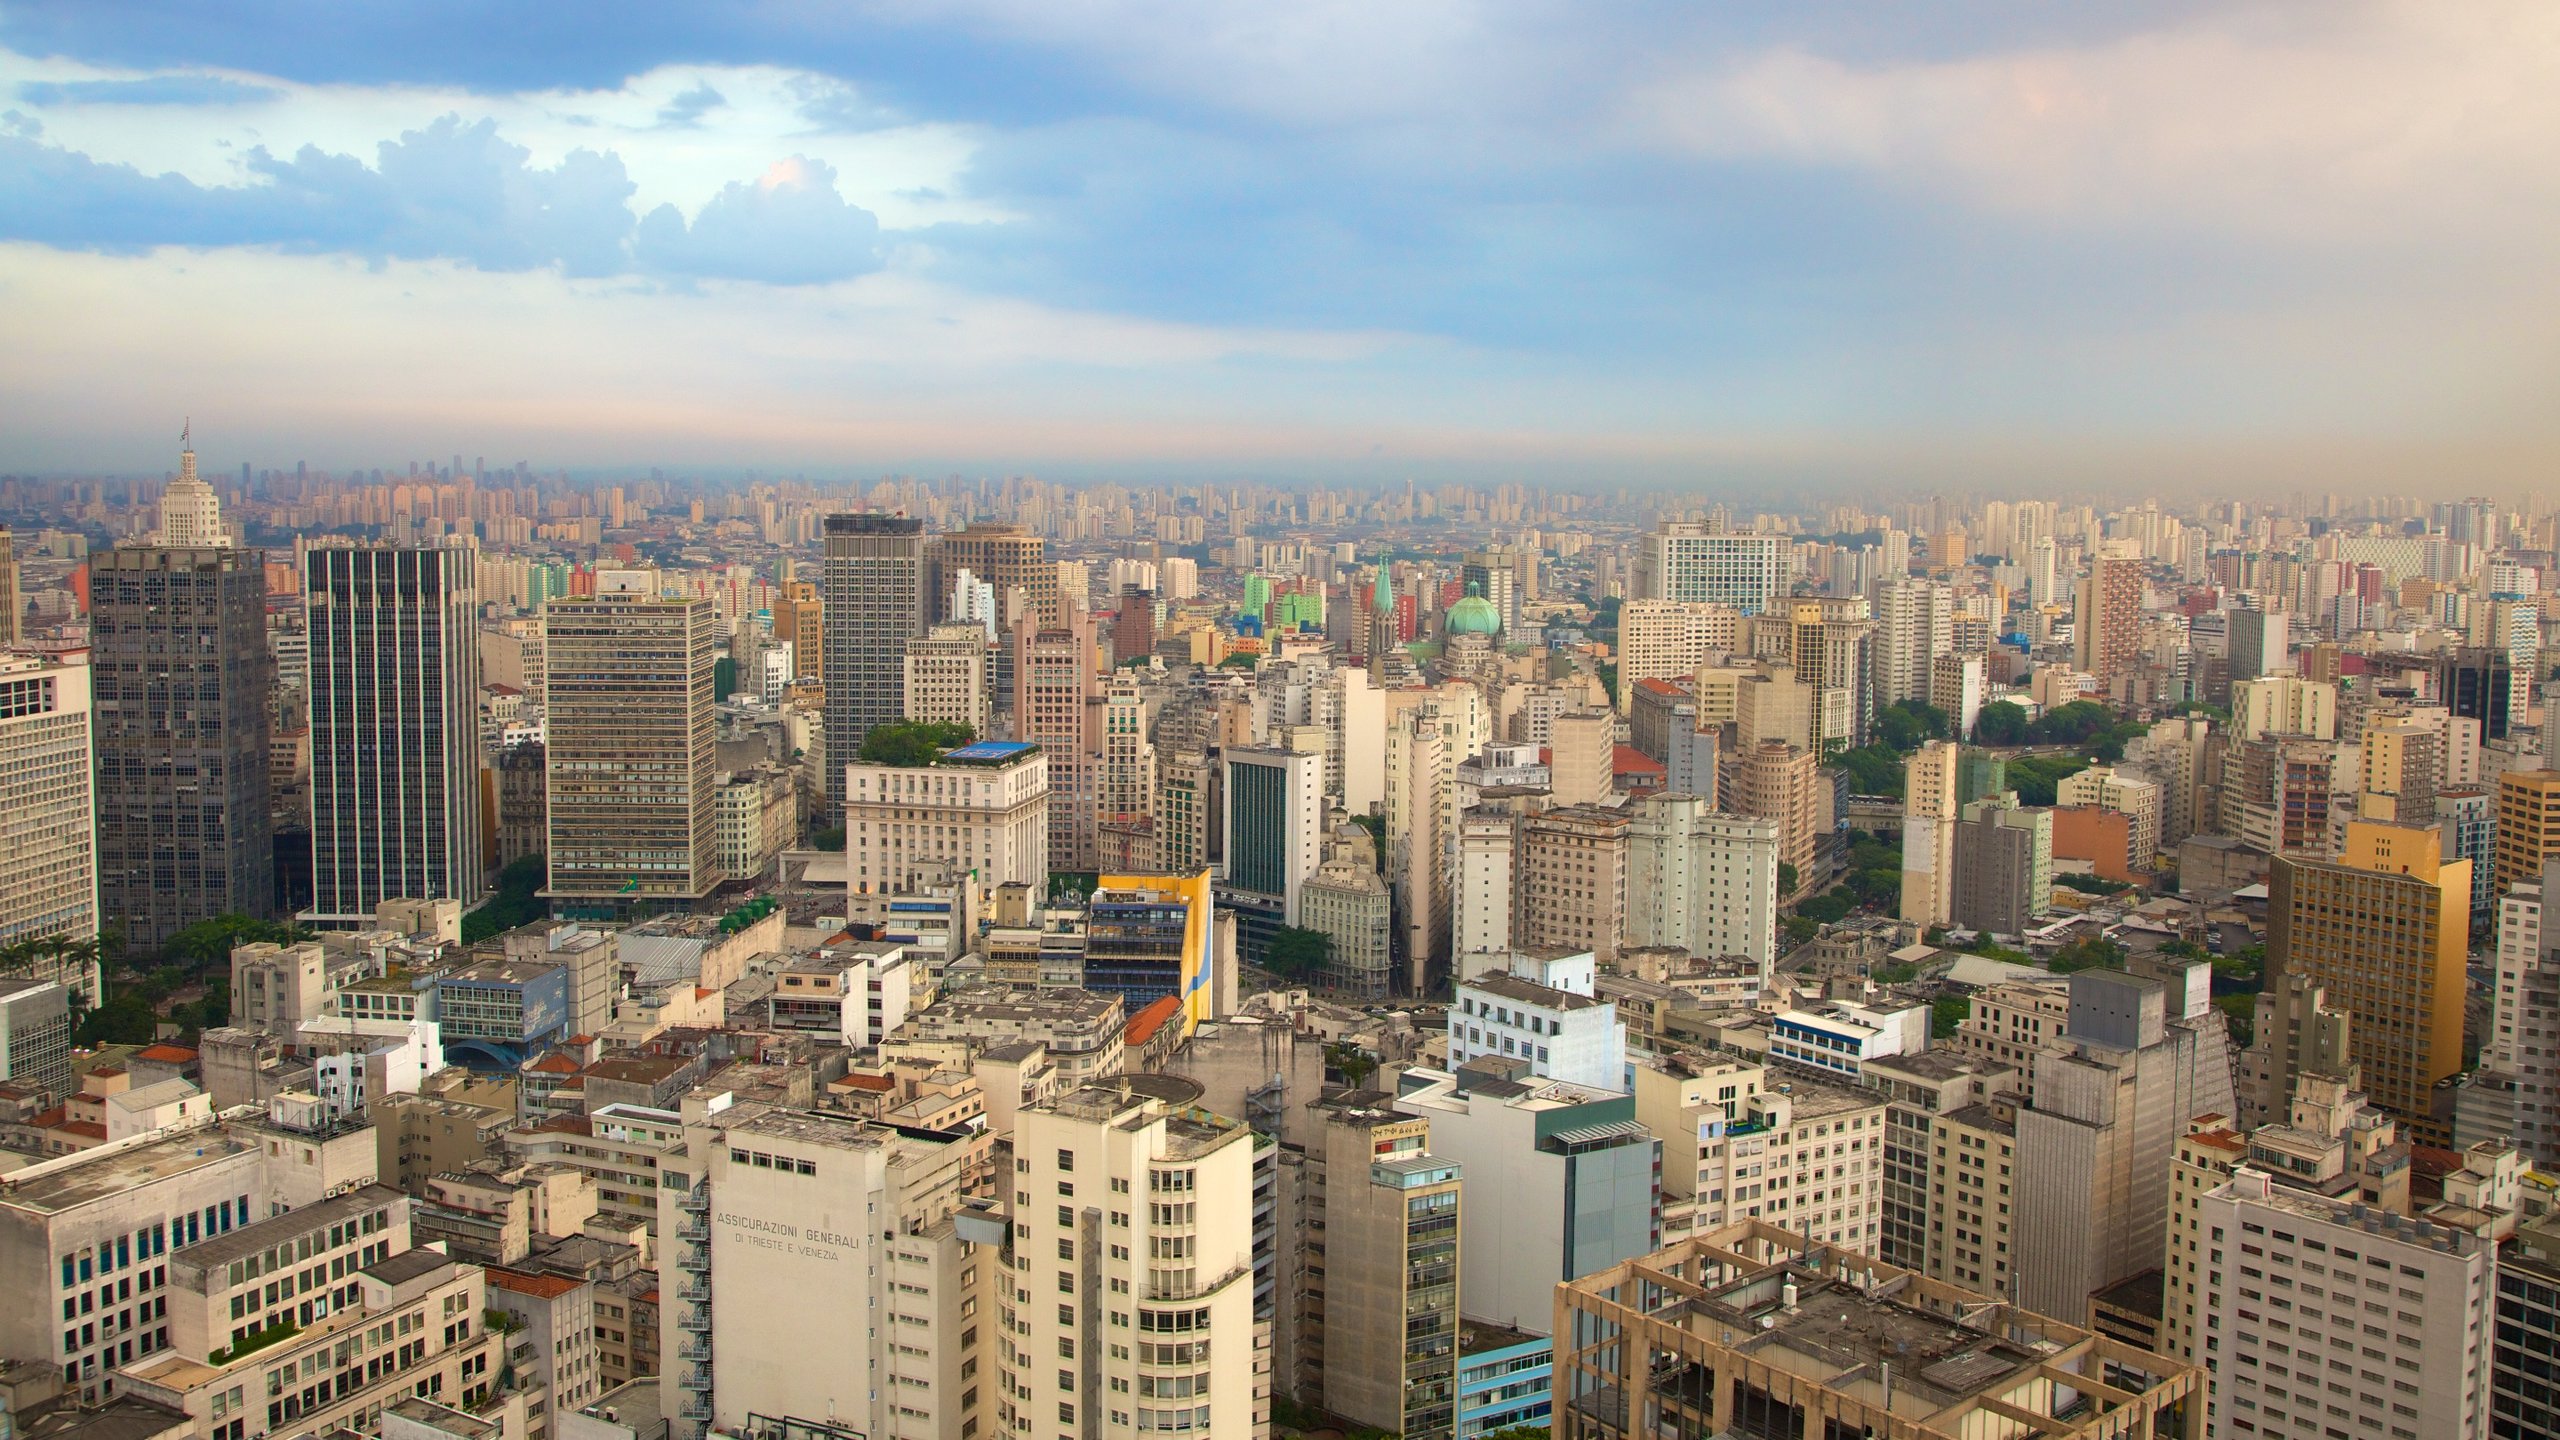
{"points": [[696, 1201], [694, 1232], [696, 1321], [697, 1350], [696, 1289]]}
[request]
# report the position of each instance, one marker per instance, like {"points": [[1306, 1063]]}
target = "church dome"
{"points": [[1474, 615]]}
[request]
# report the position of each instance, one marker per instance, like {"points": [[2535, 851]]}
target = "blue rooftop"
{"points": [[988, 752]]}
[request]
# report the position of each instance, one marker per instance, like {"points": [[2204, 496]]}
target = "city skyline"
{"points": [[1844, 251]]}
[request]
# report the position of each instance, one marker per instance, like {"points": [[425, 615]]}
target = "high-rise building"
{"points": [[1775, 781], [48, 812], [1140, 1309], [1956, 689], [630, 761], [2403, 760], [1929, 811], [1690, 562], [2528, 823], [1702, 880], [1347, 901], [2003, 867], [2284, 705], [1915, 624], [2125, 793], [1488, 847], [948, 680], [1125, 780], [875, 597], [2257, 643], [800, 621], [1007, 559], [1669, 640], [2106, 627], [981, 809], [1275, 823], [183, 685], [190, 513], [1727, 1125], [395, 733], [1054, 694], [1572, 877], [1831, 647], [2384, 930], [1379, 1314], [13, 606]]}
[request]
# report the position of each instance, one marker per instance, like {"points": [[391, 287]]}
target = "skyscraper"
{"points": [[1702, 880], [1053, 687], [395, 736], [1275, 822], [2106, 629], [2384, 929], [875, 604], [48, 821], [946, 677], [630, 766], [190, 513], [12, 608], [1006, 558], [183, 689], [1684, 560]]}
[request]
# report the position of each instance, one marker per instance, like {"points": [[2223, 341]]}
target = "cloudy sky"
{"points": [[2175, 246]]}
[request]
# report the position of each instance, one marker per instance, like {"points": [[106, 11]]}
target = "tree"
{"points": [[1873, 769], [2000, 723], [1906, 724], [1787, 878], [1830, 907], [518, 901], [2090, 952], [1297, 952], [1945, 1014], [913, 742], [1799, 928]]}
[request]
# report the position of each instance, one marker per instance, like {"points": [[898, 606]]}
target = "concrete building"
{"points": [[1749, 1142], [1555, 1034], [2384, 930], [1777, 782], [1956, 689], [2003, 868], [2528, 823], [755, 817], [983, 807], [1670, 639], [1055, 700], [2403, 766], [1917, 1090], [49, 844], [875, 597], [1348, 902], [2135, 798], [420, 1135], [2425, 1338], [1379, 1313], [1929, 811], [858, 1223], [2257, 643], [630, 755], [1149, 1303], [35, 1034], [1560, 1181], [1915, 626], [2107, 617], [950, 677], [394, 680], [1573, 880], [2136, 1059], [2283, 705], [183, 683], [1685, 561], [1421, 810], [1704, 881], [1488, 848], [1753, 1330]]}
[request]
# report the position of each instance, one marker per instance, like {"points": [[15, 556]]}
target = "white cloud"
{"points": [[2348, 121], [905, 173]]}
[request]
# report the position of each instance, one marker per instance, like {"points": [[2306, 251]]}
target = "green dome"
{"points": [[1474, 615]]}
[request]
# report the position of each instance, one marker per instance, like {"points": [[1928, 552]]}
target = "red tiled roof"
{"points": [[165, 1054], [547, 1287], [1659, 687], [1142, 1027], [554, 1063], [1628, 760], [866, 1082]]}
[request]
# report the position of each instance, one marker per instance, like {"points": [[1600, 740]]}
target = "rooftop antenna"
{"points": [[186, 433]]}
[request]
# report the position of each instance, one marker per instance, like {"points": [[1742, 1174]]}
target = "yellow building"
{"points": [[2384, 928], [1132, 921]]}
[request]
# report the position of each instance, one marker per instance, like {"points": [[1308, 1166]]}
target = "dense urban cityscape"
{"points": [[655, 957], [1683, 722]]}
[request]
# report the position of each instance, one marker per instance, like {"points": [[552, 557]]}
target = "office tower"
{"points": [[2383, 929], [1347, 901], [35, 1034], [1560, 1182], [13, 605], [1125, 784], [1492, 577], [2257, 643], [1419, 801], [2528, 823], [2469, 818], [1053, 704], [1669, 640], [2478, 682], [875, 603], [48, 813], [2403, 769], [1774, 706], [1582, 757], [1379, 1314], [2434, 1327], [183, 682], [1572, 873], [1929, 833], [1775, 781], [1133, 633], [1915, 624], [1353, 713], [1006, 559], [1488, 845], [1685, 561], [1186, 801], [2528, 1308], [800, 621], [190, 513], [948, 680], [2275, 793], [1143, 1309], [982, 808], [1917, 1089], [1831, 648], [630, 761], [2174, 752], [2003, 868], [1148, 937], [2135, 1059], [2519, 1070], [1275, 824], [1701, 880], [2107, 623], [395, 727], [862, 1225]]}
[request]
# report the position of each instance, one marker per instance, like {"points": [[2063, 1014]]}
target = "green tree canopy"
{"points": [[913, 742], [2001, 723], [1297, 952], [1907, 724]]}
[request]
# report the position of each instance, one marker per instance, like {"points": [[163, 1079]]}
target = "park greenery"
{"points": [[517, 901], [1297, 953], [913, 742]]}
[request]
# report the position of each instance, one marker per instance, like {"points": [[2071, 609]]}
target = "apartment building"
{"points": [[49, 881], [1573, 880], [1556, 1034], [1702, 880], [1378, 1317]]}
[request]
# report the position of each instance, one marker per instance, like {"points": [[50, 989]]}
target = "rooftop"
{"points": [[1528, 992], [252, 1238], [408, 1265], [813, 1127], [111, 1170]]}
